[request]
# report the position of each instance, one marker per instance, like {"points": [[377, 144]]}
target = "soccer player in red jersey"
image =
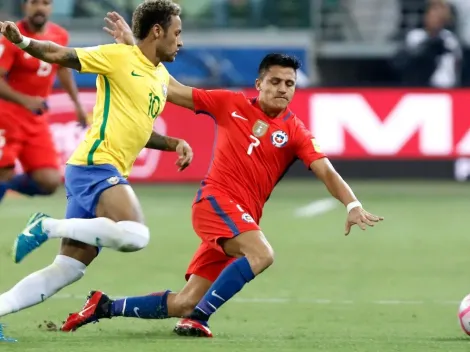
{"points": [[25, 84], [257, 141]]}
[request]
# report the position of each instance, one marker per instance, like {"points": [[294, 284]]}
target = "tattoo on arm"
{"points": [[53, 53], [159, 142]]}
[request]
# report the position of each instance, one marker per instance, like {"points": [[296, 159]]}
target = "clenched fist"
{"points": [[11, 32]]}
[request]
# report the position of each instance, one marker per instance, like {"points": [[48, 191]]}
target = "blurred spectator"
{"points": [[463, 32], [223, 8], [431, 56], [371, 20]]}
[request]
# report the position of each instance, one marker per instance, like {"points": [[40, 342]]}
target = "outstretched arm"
{"points": [[339, 189], [43, 50], [335, 184], [180, 95]]}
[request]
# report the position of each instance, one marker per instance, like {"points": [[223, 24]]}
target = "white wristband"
{"points": [[24, 43], [353, 205]]}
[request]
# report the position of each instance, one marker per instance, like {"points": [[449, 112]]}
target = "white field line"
{"points": [[313, 301], [316, 208]]}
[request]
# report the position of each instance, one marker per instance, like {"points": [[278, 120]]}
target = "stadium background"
{"points": [[394, 288]]}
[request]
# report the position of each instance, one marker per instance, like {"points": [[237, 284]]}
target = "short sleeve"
{"points": [[212, 102], [307, 148], [98, 59], [7, 54]]}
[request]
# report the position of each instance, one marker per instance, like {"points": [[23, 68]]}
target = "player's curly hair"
{"points": [[275, 59], [152, 12]]}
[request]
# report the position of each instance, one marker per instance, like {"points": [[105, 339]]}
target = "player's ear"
{"points": [[258, 84], [157, 31]]}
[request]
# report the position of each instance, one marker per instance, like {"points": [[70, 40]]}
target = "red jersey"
{"points": [[252, 150], [26, 74]]}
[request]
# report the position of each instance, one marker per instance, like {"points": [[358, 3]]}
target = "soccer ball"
{"points": [[464, 314]]}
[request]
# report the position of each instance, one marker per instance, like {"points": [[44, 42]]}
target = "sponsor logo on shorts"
{"points": [[247, 218], [113, 180], [279, 139]]}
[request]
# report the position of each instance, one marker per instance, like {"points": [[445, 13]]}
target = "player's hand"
{"points": [[82, 116], [185, 155], [362, 218], [37, 105], [11, 32], [118, 28]]}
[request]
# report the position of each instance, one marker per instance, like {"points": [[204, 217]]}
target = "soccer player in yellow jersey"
{"points": [[102, 209]]}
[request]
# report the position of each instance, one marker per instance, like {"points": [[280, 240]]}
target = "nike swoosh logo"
{"points": [[136, 74], [85, 310], [234, 114], [213, 293], [136, 312]]}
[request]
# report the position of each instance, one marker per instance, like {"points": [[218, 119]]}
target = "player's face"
{"points": [[37, 12], [276, 88], [171, 41], [437, 16]]}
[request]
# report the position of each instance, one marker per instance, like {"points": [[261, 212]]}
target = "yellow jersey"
{"points": [[131, 93]]}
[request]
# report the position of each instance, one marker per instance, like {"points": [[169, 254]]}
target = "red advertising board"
{"points": [[349, 124]]}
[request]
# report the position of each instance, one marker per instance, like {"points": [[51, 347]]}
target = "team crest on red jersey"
{"points": [[247, 218], [260, 128], [279, 139]]}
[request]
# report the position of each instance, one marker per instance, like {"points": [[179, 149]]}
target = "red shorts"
{"points": [[30, 143], [216, 218]]}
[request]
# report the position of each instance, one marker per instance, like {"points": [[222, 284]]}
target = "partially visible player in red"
{"points": [[258, 139], [25, 84]]}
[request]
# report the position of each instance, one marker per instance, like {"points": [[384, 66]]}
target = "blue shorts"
{"points": [[84, 185]]}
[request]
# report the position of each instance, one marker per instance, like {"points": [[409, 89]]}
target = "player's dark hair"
{"points": [[276, 59], [152, 12]]}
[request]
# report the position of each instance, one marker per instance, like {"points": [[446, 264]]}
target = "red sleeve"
{"points": [[213, 102], [65, 38], [7, 54], [307, 148]]}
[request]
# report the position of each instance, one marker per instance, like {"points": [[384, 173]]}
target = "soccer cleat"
{"points": [[191, 327], [31, 238], [96, 307], [2, 336]]}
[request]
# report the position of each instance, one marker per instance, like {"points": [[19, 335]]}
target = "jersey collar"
{"points": [[143, 58], [286, 114]]}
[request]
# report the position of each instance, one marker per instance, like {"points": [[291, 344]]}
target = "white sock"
{"points": [[123, 236], [41, 285]]}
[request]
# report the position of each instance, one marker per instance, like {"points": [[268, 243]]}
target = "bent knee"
{"points": [[49, 187], [70, 268], [48, 180], [261, 260], [135, 236]]}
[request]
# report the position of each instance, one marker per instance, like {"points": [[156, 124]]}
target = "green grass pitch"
{"points": [[392, 288]]}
